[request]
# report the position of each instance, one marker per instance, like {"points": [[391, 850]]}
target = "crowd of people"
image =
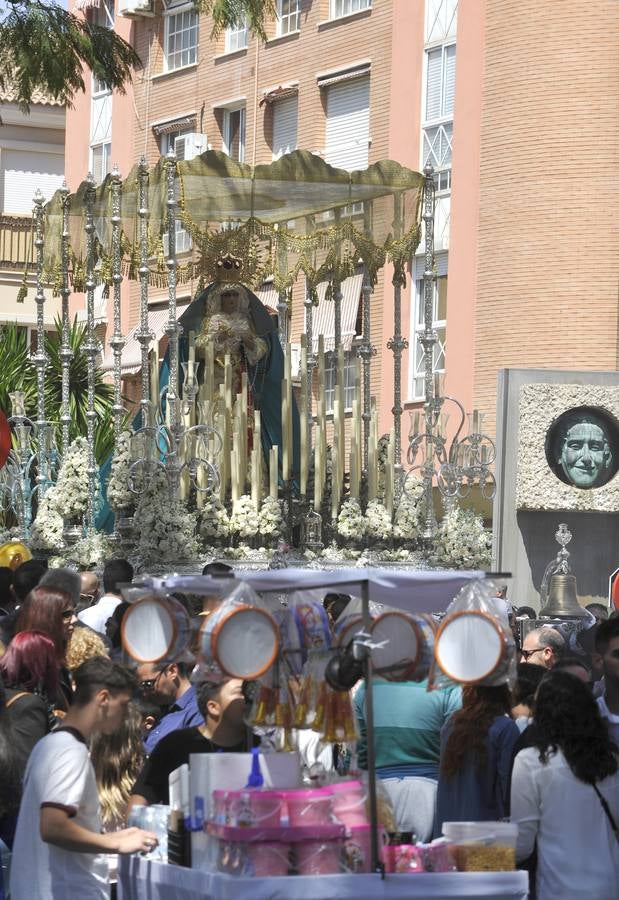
{"points": [[86, 735]]}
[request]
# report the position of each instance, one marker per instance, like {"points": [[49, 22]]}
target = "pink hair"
{"points": [[30, 662]]}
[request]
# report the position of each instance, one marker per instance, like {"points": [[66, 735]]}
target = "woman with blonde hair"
{"points": [[84, 644], [117, 760]]}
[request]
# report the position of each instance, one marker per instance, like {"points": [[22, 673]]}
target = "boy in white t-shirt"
{"points": [[58, 848], [607, 657]]}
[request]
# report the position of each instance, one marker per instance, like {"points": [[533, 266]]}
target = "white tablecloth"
{"points": [[140, 879]]}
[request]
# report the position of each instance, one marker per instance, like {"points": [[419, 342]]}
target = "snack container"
{"points": [[482, 846], [349, 803], [402, 859], [310, 807], [254, 808], [267, 859], [318, 858]]}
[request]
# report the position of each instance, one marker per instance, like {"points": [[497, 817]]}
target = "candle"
{"points": [[354, 470], [192, 354], [209, 371], [228, 381], [373, 452], [317, 474], [285, 445], [235, 479], [273, 475], [154, 375], [255, 496], [415, 420], [335, 490], [304, 436], [437, 385]]}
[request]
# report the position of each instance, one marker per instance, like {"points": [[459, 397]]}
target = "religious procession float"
{"points": [[243, 445]]}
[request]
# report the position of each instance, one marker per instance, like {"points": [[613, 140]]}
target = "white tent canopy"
{"points": [[418, 591]]}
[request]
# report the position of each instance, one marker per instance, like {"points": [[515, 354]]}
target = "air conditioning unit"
{"points": [[134, 8], [188, 146]]}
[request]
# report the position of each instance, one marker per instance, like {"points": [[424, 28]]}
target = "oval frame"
{"points": [[159, 602], [482, 615], [243, 608]]}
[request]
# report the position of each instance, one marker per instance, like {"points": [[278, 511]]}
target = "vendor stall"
{"points": [[246, 831], [140, 879]]}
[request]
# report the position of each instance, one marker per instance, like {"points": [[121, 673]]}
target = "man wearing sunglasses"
{"points": [[542, 647], [169, 686]]}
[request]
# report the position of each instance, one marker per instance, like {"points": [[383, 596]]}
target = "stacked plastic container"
{"points": [[314, 831]]}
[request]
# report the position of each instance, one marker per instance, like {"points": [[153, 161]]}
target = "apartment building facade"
{"points": [[31, 158], [508, 102]]}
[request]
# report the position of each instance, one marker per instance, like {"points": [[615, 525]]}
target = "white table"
{"points": [[141, 879]]}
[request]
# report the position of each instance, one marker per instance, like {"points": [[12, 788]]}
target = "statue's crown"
{"points": [[229, 268]]}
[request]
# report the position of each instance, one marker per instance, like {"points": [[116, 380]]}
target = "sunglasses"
{"points": [[149, 684], [527, 654]]}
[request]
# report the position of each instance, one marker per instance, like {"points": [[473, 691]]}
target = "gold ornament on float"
{"points": [[13, 554]]}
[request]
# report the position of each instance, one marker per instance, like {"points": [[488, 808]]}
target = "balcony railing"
{"points": [[16, 242]]}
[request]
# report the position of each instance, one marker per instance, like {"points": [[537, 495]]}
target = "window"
{"points": [[288, 16], [102, 14], [181, 39], [100, 130], [350, 369], [347, 138], [236, 38], [441, 20], [234, 133], [285, 115], [439, 317], [440, 80], [339, 8]]}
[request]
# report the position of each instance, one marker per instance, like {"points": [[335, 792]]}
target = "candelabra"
{"points": [[457, 465], [21, 470]]}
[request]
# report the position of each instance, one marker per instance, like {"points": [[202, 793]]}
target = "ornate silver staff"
{"points": [[144, 335], [90, 349], [40, 357], [117, 342], [66, 354], [397, 344]]}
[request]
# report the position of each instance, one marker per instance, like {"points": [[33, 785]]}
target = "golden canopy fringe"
{"points": [[295, 216]]}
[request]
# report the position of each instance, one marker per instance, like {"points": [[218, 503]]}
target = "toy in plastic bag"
{"points": [[474, 643]]}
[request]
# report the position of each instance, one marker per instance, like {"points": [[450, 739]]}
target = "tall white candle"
{"points": [[335, 479], [304, 435], [317, 474], [254, 479], [234, 468], [273, 475], [192, 355], [354, 470], [154, 375]]}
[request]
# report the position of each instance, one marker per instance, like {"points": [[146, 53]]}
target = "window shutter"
{"points": [[449, 80], [348, 124], [285, 115], [434, 71], [23, 171]]}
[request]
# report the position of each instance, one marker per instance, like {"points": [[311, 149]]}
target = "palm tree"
{"points": [[18, 373]]}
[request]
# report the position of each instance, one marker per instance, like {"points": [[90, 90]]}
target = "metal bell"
{"points": [[562, 599]]}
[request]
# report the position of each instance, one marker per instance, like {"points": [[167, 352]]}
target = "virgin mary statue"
{"points": [[240, 325]]}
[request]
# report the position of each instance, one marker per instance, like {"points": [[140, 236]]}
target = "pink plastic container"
{"points": [[357, 849], [255, 809], [403, 859], [316, 858], [349, 803], [310, 807], [267, 859]]}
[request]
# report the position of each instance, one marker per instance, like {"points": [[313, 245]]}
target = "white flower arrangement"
{"points": [[377, 522], [90, 552], [47, 528], [67, 499], [462, 541], [244, 519], [70, 493], [119, 496], [248, 554], [270, 518], [351, 521], [335, 553], [213, 519], [166, 530], [407, 522]]}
